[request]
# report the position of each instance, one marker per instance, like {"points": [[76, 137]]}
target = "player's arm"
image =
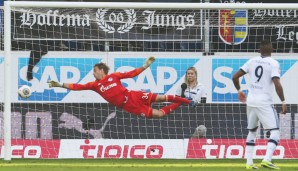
{"points": [[137, 71], [235, 78], [71, 86], [280, 93]]}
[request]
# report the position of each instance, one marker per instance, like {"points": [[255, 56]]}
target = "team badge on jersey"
{"points": [[110, 79], [233, 26]]}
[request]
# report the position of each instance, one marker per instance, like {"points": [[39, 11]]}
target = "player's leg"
{"points": [[270, 121], [165, 110], [173, 98], [39, 49], [140, 104], [252, 120]]}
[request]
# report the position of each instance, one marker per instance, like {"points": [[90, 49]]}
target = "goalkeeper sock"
{"points": [[176, 99], [167, 109]]}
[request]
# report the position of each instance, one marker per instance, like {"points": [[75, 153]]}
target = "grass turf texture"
{"points": [[135, 165]]}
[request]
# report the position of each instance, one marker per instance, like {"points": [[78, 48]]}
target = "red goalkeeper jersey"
{"points": [[109, 87]]}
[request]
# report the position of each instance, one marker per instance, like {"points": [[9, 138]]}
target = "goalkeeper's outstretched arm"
{"points": [[71, 86], [137, 71], [148, 62], [99, 72], [53, 83]]}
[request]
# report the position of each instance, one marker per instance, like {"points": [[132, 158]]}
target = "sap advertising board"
{"points": [[1, 78], [224, 68], [163, 77], [160, 78]]}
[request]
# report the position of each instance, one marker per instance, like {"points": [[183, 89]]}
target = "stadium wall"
{"points": [[63, 134], [125, 136]]}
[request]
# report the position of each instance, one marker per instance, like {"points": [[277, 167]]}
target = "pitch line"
{"points": [[228, 165]]}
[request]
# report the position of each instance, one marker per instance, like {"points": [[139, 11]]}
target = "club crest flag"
{"points": [[233, 26]]}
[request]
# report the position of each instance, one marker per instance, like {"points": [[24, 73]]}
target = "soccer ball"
{"points": [[200, 132], [24, 91]]}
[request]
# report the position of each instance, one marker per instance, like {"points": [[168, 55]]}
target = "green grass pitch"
{"points": [[135, 165]]}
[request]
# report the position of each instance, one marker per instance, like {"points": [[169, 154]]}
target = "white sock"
{"points": [[272, 143], [270, 150], [250, 145], [249, 154]]}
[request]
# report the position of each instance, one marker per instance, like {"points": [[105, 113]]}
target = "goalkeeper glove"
{"points": [[148, 62], [53, 83]]}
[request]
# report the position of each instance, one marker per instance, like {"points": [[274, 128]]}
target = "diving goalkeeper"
{"points": [[136, 102]]}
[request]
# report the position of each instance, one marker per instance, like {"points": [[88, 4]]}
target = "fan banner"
{"points": [[124, 24]]}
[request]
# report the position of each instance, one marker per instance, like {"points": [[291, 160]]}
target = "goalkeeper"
{"points": [[136, 102]]}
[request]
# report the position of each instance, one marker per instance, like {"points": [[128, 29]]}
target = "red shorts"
{"points": [[139, 103]]}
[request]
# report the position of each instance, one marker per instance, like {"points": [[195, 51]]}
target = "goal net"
{"points": [[63, 41]]}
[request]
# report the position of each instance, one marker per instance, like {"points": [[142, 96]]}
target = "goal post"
{"points": [[7, 82], [71, 37]]}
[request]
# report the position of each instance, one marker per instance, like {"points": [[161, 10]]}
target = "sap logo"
{"points": [[66, 74], [222, 84], [285, 65], [1, 60], [223, 70], [71, 70], [159, 77], [148, 80]]}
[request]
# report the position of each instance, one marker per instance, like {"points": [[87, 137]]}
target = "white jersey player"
{"points": [[264, 73]]}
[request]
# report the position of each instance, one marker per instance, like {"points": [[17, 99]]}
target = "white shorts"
{"points": [[267, 115]]}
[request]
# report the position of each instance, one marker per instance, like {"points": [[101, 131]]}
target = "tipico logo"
{"points": [[70, 70], [161, 76]]}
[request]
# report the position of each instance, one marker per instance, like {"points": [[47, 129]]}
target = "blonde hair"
{"points": [[195, 71]]}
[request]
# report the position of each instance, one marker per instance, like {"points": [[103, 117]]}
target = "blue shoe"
{"points": [[269, 165], [194, 103], [251, 167]]}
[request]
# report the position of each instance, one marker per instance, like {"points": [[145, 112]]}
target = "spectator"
{"points": [[191, 89]]}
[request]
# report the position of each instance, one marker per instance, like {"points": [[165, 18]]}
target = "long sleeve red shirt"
{"points": [[109, 87]]}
